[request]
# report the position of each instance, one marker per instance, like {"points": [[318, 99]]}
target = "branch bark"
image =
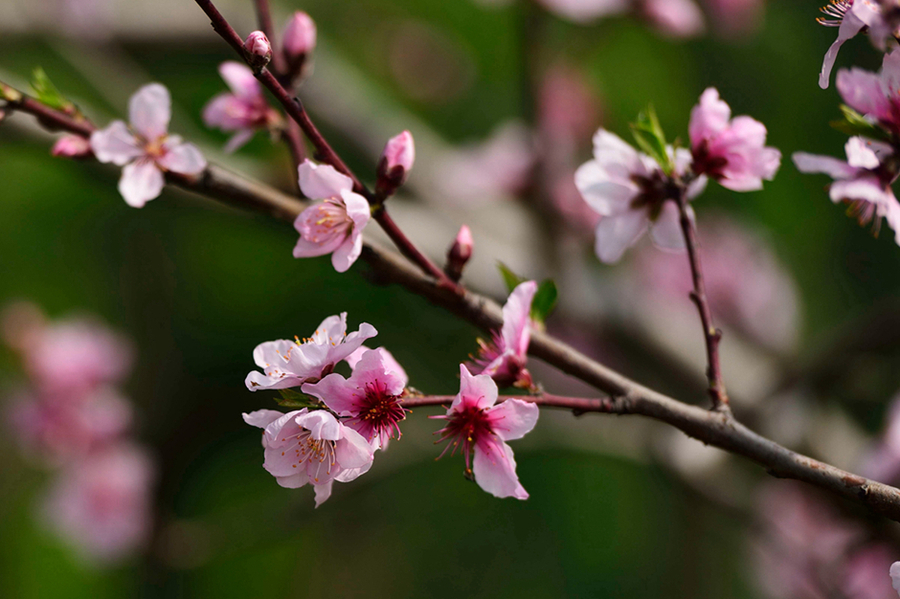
{"points": [[626, 397]]}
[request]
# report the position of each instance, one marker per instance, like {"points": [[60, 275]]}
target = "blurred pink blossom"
{"points": [[299, 37], [730, 151], [735, 17], [627, 189], [395, 163], [880, 19], [747, 287], [481, 426], [258, 49], [500, 165], [102, 505], [71, 146], [291, 363], [674, 18], [895, 576], [60, 429], [334, 225], [859, 182], [866, 574], [504, 357], [874, 94], [244, 110], [369, 401], [146, 150], [311, 447]]}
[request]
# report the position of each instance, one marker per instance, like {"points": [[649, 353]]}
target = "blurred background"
{"points": [[502, 98]]}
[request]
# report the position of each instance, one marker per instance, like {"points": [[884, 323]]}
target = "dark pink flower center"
{"points": [[465, 428], [379, 413]]}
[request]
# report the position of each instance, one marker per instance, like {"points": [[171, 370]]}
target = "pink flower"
{"points": [[299, 36], [71, 146], [895, 576], [459, 253], [631, 194], [369, 401], [880, 19], [731, 151], [244, 110], [102, 505], [62, 428], [396, 161], [505, 356], [860, 182], [675, 18], [75, 355], [876, 95], [866, 574], [146, 150], [292, 363], [258, 49], [482, 428], [335, 225], [310, 447]]}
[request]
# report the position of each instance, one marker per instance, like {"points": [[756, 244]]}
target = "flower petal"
{"points": [[495, 470], [353, 451], [294, 481], [813, 163], [516, 332], [513, 419], [337, 394], [321, 425], [321, 181], [240, 79], [478, 390], [262, 418], [850, 26], [666, 230], [617, 233], [323, 492], [150, 110], [141, 182], [348, 252], [183, 158], [115, 144], [862, 91]]}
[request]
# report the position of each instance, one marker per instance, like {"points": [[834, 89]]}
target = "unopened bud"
{"points": [[71, 146], [459, 253], [258, 49], [396, 161], [299, 36]]}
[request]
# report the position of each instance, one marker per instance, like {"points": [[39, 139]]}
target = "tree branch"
{"points": [[711, 334], [626, 397]]}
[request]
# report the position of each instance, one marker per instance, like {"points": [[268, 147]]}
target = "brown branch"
{"points": [[717, 428], [578, 405], [711, 334]]}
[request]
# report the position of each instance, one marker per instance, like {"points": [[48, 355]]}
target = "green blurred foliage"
{"points": [[198, 286]]}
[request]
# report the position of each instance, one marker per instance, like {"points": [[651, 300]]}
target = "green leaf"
{"points": [[650, 138], [295, 399], [854, 124], [47, 93], [511, 279], [544, 300]]}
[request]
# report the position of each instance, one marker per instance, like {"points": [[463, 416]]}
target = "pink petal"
{"points": [[812, 163], [183, 158], [229, 113], [322, 181], [358, 209], [895, 576], [390, 363], [150, 110], [602, 194], [352, 452], [323, 492], [262, 418], [240, 80], [495, 470], [337, 394], [862, 91], [513, 419], [347, 253], [889, 209], [141, 182], [666, 231], [294, 481], [516, 331], [709, 117], [321, 425], [676, 18], [868, 189], [860, 155], [115, 144], [617, 233], [479, 390], [238, 140], [379, 365], [850, 26]]}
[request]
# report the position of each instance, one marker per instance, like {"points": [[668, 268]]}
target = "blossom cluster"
{"points": [[347, 419], [72, 418]]}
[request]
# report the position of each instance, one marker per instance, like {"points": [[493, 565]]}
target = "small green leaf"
{"points": [[47, 93], [854, 124], [511, 279], [650, 138], [295, 399], [544, 301]]}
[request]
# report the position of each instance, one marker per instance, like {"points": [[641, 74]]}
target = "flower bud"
{"points": [[396, 161], [459, 253], [258, 49], [299, 37], [71, 146]]}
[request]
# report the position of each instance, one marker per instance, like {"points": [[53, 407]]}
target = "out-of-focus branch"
{"points": [[711, 334], [626, 397]]}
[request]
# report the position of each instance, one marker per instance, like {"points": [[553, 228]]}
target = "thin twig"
{"points": [[578, 405], [711, 334]]}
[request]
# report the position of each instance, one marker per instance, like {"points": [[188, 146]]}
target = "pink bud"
{"points": [[396, 161], [259, 50], [71, 146], [459, 253], [299, 36]]}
